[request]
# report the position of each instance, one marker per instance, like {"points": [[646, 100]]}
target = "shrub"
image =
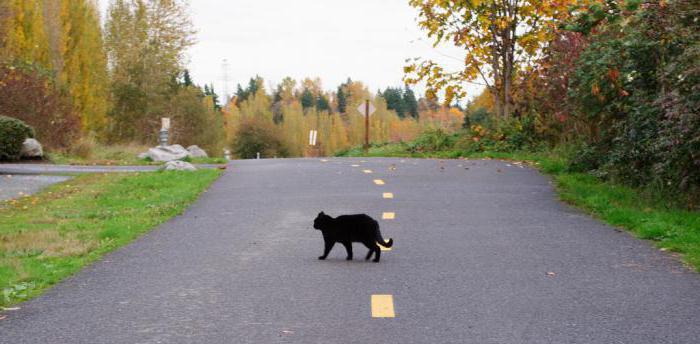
{"points": [[84, 147], [432, 140], [13, 132], [258, 136]]}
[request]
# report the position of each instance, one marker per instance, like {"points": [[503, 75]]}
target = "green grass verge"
{"points": [[644, 213], [49, 236]]}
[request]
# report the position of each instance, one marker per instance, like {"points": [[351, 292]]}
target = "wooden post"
{"points": [[367, 126]]}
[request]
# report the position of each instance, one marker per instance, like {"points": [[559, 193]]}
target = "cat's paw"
{"points": [[376, 261], [348, 258], [322, 257]]}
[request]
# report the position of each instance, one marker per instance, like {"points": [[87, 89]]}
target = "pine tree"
{"points": [[322, 103], [410, 102], [342, 100], [394, 101], [307, 99]]}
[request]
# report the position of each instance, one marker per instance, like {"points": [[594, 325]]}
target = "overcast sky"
{"points": [[366, 40]]}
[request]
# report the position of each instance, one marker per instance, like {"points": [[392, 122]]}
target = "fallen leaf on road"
{"points": [[2, 317], [551, 274], [499, 170]]}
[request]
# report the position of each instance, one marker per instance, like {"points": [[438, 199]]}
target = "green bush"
{"points": [[13, 132], [258, 136], [432, 140]]}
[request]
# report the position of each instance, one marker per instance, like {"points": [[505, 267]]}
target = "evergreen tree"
{"points": [[342, 100], [410, 102], [307, 99], [394, 101], [187, 79], [322, 103]]}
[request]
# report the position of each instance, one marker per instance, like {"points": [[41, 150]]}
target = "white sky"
{"points": [[366, 40]]}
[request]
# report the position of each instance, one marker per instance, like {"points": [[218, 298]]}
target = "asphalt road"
{"points": [[483, 253], [33, 168]]}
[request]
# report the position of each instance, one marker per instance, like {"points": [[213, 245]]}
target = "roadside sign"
{"points": [[165, 123], [313, 134]]}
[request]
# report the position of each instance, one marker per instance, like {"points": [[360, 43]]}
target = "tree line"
{"points": [[277, 122]]}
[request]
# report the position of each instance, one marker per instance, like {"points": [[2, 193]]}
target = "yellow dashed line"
{"points": [[367, 171], [378, 182], [355, 165], [388, 195], [382, 306], [388, 215]]}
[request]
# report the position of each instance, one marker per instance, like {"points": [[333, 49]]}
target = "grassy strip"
{"points": [[646, 215], [48, 237]]}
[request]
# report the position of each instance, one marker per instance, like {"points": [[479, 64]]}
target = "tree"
{"points": [[394, 101], [322, 103], [410, 102], [145, 41], [84, 63], [26, 39], [307, 99], [186, 78], [499, 36]]}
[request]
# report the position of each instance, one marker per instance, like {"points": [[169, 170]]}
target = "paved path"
{"points": [[15, 186], [480, 256], [72, 169]]}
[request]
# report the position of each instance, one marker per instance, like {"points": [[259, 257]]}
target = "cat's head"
{"points": [[321, 221]]}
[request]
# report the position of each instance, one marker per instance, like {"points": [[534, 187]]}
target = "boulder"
{"points": [[165, 153], [31, 149], [196, 152], [177, 165]]}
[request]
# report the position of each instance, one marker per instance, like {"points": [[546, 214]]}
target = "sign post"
{"points": [[164, 131], [366, 109]]}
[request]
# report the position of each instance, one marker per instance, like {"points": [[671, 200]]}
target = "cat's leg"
{"points": [[348, 247], [370, 246], [327, 249], [369, 254], [377, 253]]}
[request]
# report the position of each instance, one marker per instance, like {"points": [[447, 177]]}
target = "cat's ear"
{"points": [[321, 213]]}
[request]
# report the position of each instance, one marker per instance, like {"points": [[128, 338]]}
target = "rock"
{"points": [[165, 153], [196, 152], [177, 165], [31, 148]]}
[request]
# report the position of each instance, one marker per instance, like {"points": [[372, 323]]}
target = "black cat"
{"points": [[347, 229]]}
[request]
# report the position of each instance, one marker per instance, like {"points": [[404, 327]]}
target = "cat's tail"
{"points": [[380, 239], [388, 243]]}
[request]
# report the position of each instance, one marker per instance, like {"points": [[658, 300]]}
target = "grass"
{"points": [[88, 152], [644, 213], [48, 237]]}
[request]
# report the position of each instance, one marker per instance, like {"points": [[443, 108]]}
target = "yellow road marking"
{"points": [[367, 171], [378, 182], [324, 160], [388, 195], [383, 306], [355, 165], [388, 215]]}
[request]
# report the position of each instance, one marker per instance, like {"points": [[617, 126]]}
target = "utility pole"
{"points": [[366, 109], [366, 125]]}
